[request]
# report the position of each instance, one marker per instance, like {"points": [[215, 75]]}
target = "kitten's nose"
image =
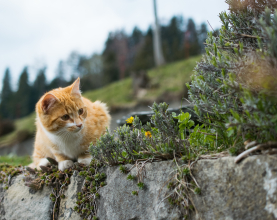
{"points": [[79, 125]]}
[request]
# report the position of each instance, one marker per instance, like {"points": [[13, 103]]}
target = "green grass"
{"points": [[15, 160], [169, 79]]}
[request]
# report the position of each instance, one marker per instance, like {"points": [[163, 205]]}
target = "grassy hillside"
{"points": [[168, 79]]}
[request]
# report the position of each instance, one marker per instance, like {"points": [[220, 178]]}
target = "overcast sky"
{"points": [[42, 32]]}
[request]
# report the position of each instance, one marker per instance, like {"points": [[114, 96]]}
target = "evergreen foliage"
{"points": [[6, 96], [125, 53], [110, 71], [23, 96], [144, 58], [173, 36], [39, 87], [234, 86]]}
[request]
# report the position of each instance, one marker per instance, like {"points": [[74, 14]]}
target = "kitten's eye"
{"points": [[65, 117], [80, 111]]}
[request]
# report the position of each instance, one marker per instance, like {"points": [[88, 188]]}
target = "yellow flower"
{"points": [[148, 134], [130, 120]]}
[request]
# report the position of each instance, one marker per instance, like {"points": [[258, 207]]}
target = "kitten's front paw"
{"points": [[65, 164], [85, 161], [43, 162]]}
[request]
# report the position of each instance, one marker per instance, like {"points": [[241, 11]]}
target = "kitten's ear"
{"points": [[76, 88], [47, 102]]}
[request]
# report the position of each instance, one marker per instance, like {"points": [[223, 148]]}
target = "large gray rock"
{"points": [[67, 204], [247, 190], [117, 202], [21, 202], [243, 191]]}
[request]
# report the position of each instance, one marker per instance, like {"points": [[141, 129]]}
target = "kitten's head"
{"points": [[62, 109]]}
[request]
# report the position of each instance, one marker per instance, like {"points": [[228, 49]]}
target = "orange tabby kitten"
{"points": [[66, 124]]}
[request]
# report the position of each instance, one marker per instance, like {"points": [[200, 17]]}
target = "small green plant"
{"points": [[171, 201], [186, 171], [130, 177], [135, 193], [140, 185], [123, 169], [184, 123], [197, 190], [170, 185]]}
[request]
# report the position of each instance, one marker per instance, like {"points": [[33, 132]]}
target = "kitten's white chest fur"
{"points": [[68, 143]]}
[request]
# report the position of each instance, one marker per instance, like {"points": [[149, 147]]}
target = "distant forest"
{"points": [[123, 54]]}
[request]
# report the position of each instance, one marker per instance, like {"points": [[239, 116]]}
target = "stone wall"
{"points": [[228, 191]]}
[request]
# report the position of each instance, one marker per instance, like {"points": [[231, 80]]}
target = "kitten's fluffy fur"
{"points": [[66, 124]]}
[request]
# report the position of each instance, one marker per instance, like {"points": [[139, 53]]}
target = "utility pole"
{"points": [[158, 53]]}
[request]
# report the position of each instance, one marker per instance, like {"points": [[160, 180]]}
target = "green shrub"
{"points": [[234, 87], [166, 136], [130, 143]]}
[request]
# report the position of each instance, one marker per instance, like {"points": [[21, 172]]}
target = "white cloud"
{"points": [[46, 31]]}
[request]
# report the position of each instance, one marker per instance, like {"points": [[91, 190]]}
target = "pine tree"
{"points": [[60, 72], [173, 37], [192, 46], [111, 71], [23, 101], [115, 57], [234, 88], [39, 87], [136, 36], [145, 56], [6, 96], [135, 42]]}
